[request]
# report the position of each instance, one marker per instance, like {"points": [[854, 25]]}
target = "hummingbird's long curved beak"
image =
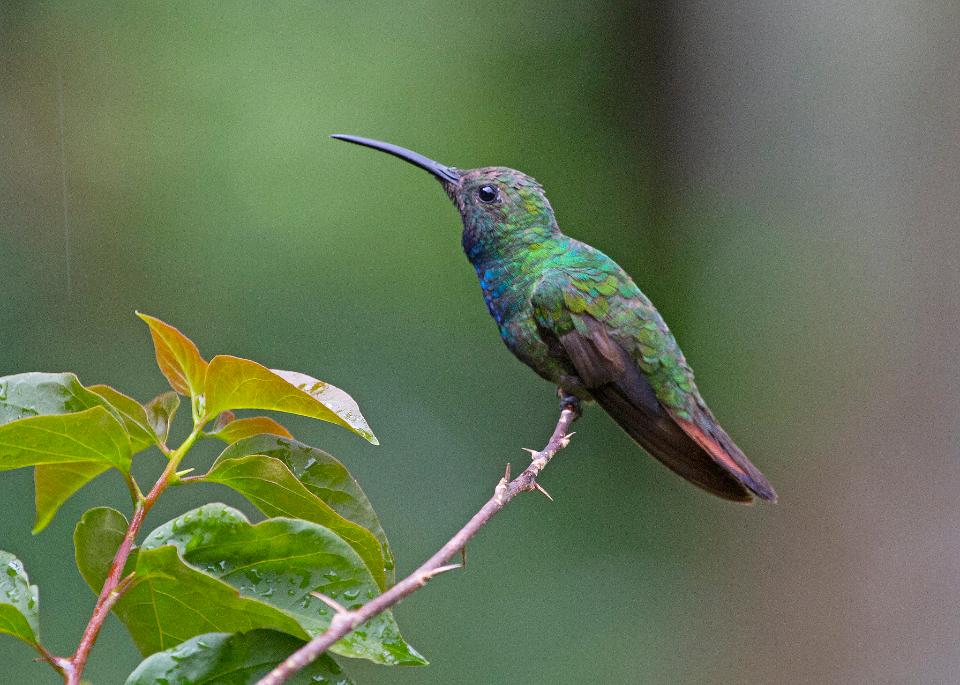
{"points": [[442, 172]]}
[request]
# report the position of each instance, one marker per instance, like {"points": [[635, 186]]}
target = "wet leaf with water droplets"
{"points": [[274, 490], [19, 602], [324, 476], [235, 383], [170, 601], [232, 659], [38, 394], [267, 560]]}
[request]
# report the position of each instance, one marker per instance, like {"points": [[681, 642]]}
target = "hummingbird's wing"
{"points": [[626, 357]]}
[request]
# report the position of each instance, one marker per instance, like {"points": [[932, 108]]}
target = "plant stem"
{"points": [[344, 622], [113, 587]]}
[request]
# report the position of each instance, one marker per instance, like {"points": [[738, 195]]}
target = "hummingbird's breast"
{"points": [[507, 291]]}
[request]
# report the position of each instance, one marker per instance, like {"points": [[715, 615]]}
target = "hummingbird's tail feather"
{"points": [[665, 440], [708, 434], [696, 449]]}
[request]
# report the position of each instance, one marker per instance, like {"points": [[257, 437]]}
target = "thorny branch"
{"points": [[345, 621]]}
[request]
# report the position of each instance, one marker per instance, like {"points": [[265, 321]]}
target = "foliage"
{"points": [[231, 659], [209, 595]]}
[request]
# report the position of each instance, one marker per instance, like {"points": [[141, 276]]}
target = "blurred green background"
{"points": [[781, 178]]}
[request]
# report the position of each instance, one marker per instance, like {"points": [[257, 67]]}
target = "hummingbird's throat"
{"points": [[453, 192]]}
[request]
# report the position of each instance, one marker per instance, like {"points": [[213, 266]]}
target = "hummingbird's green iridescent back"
{"points": [[578, 319], [536, 279]]}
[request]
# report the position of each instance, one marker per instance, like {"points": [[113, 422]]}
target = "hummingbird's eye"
{"points": [[487, 194]]}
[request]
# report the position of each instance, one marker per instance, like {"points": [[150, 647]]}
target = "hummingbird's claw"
{"points": [[568, 401]]}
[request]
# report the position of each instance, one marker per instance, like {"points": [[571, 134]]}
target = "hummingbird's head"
{"points": [[498, 195], [500, 207]]}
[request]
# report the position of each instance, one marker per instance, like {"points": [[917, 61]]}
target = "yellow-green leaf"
{"points": [[239, 429], [177, 356], [92, 435], [235, 383], [36, 394], [54, 484], [133, 415]]}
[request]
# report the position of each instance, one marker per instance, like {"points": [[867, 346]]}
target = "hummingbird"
{"points": [[573, 315]]}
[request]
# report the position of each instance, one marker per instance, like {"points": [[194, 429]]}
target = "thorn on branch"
{"points": [[330, 602], [345, 621], [429, 575], [542, 490], [444, 569]]}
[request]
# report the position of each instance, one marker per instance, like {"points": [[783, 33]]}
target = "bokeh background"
{"points": [[780, 177]]}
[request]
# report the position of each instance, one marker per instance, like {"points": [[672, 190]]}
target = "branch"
{"points": [[344, 621], [114, 586]]}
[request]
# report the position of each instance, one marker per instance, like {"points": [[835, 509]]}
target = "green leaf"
{"points": [[35, 394], [322, 475], [160, 412], [96, 539], [169, 601], [279, 562], [177, 356], [92, 435], [238, 429], [19, 602], [269, 485], [235, 383], [54, 484], [132, 413], [232, 659]]}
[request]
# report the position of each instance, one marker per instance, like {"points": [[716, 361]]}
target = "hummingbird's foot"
{"points": [[568, 401]]}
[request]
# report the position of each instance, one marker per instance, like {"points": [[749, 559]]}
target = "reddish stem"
{"points": [[113, 587]]}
